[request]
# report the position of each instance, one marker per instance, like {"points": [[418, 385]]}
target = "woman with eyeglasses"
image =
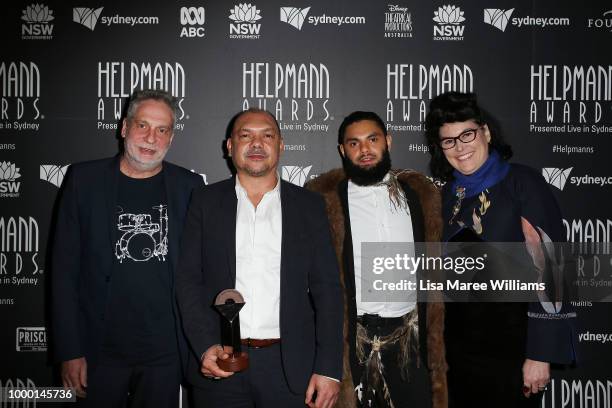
{"points": [[498, 353]]}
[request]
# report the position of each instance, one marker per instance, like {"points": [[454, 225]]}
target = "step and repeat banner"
{"points": [[542, 68]]}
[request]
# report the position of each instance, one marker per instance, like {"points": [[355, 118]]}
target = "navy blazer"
{"points": [[310, 294], [84, 250]]}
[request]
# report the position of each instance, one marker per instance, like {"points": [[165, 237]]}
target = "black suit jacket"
{"points": [[310, 293], [84, 249], [418, 229]]}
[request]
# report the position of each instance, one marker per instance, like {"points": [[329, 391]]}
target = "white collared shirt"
{"points": [[375, 219], [258, 258]]}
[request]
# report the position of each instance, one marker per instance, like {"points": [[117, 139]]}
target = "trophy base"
{"points": [[235, 362]]}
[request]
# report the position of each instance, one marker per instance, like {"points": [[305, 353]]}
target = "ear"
{"points": [[487, 133], [124, 127], [228, 144], [281, 147], [341, 148], [389, 141]]}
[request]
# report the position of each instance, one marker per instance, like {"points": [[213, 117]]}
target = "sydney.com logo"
{"points": [[559, 177]]}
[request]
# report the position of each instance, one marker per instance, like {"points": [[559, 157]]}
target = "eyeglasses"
{"points": [[466, 136]]}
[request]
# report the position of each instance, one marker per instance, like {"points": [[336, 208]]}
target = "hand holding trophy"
{"points": [[229, 303]]}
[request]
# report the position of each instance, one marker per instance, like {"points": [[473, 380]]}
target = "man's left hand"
{"points": [[327, 392]]}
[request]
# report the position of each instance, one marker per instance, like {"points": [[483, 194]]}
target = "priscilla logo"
{"points": [[9, 187], [37, 18], [497, 18], [556, 177], [86, 16], [296, 174], [449, 27], [294, 16], [53, 174]]}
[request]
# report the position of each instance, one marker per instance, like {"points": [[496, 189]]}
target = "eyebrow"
{"points": [[351, 139], [252, 130], [460, 133]]}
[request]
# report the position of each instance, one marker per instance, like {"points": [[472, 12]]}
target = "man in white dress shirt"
{"points": [[394, 351], [270, 240]]}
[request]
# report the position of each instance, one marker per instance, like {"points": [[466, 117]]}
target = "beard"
{"points": [[367, 176]]}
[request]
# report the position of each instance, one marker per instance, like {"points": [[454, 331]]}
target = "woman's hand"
{"points": [[536, 376]]}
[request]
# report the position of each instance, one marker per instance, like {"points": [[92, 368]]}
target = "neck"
{"points": [[256, 187], [131, 170]]}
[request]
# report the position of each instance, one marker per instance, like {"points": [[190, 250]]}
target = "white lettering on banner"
{"points": [[570, 94], [20, 82], [16, 383], [578, 393], [118, 80], [408, 83], [303, 89], [19, 239]]}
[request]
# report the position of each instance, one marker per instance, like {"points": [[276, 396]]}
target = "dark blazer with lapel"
{"points": [[416, 215], [84, 249], [310, 293]]}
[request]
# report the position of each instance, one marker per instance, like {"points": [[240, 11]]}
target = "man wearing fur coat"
{"points": [[393, 351]]}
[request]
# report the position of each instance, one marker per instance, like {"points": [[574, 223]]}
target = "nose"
{"points": [[257, 140], [364, 148], [459, 145], [150, 136]]}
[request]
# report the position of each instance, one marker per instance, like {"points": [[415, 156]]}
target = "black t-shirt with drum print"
{"points": [[140, 325]]}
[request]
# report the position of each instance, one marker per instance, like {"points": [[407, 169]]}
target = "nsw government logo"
{"points": [[192, 20], [31, 339], [398, 22], [449, 25], [37, 22], [497, 18], [245, 24], [296, 174], [9, 186]]}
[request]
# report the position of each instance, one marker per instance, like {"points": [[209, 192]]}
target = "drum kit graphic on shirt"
{"points": [[143, 239]]}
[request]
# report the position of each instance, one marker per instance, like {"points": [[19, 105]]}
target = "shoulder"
{"points": [[181, 173], [302, 194], [326, 182], [526, 179], [422, 185]]}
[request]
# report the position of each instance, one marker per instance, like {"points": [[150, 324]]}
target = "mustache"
{"points": [[259, 152]]}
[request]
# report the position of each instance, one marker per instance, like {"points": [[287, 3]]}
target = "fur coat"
{"points": [[327, 185]]}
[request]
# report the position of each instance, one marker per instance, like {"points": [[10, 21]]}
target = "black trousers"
{"points": [[413, 391], [112, 384], [262, 385]]}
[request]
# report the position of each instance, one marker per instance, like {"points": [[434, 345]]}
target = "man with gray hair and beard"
{"points": [[393, 350], [115, 249]]}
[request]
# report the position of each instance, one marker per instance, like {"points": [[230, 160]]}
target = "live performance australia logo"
{"points": [[411, 86], [31, 339], [571, 99], [192, 22], [36, 24], [19, 263], [449, 25], [297, 94], [117, 80], [9, 184], [20, 82], [398, 22], [244, 23]]}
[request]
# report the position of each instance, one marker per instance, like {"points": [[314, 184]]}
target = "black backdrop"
{"points": [[545, 72]]}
